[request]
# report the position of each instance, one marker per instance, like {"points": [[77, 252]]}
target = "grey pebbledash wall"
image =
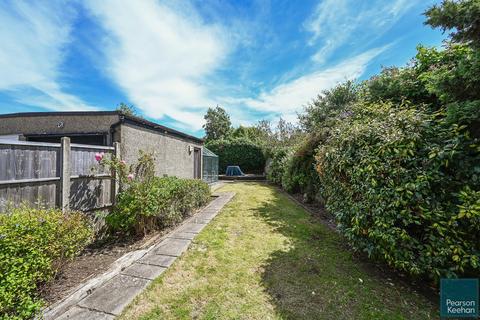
{"points": [[174, 156], [36, 123]]}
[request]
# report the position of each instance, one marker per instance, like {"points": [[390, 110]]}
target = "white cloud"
{"points": [[327, 13], [338, 22], [288, 98], [33, 39], [160, 56]]}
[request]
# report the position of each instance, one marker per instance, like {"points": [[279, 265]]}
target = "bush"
{"points": [[398, 155], [401, 183], [294, 168], [276, 165], [156, 203], [34, 244], [299, 174], [238, 152], [328, 105]]}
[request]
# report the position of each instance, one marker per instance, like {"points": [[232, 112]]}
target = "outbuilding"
{"points": [[176, 153]]}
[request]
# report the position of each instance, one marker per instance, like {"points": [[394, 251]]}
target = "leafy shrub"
{"points": [[401, 183], [293, 169], [34, 243], [451, 74], [398, 155], [399, 161], [328, 105], [299, 173], [238, 152], [276, 165], [156, 203]]}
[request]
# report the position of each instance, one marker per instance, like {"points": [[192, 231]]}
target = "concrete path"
{"points": [[106, 296]]}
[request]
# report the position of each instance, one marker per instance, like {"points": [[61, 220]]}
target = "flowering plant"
{"points": [[143, 170], [99, 156]]}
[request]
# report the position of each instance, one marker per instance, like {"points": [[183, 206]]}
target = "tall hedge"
{"points": [[398, 161], [276, 166], [402, 183], [299, 173], [238, 152]]}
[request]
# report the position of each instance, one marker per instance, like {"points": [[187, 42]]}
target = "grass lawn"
{"points": [[264, 257]]}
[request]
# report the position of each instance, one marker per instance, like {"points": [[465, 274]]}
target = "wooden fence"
{"points": [[60, 175]]}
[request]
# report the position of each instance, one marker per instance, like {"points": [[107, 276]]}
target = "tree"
{"points": [[286, 133], [264, 133], [265, 127], [241, 132], [128, 110], [461, 16], [217, 124], [252, 133]]}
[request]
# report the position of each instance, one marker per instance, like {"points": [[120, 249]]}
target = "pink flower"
{"points": [[99, 156], [130, 176], [123, 162]]}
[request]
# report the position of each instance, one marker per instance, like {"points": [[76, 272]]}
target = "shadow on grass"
{"points": [[319, 278]]}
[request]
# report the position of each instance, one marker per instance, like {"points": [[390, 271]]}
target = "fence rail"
{"points": [[55, 175]]}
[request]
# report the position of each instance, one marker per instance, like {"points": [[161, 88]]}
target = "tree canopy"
{"points": [[128, 110], [217, 124], [461, 16]]}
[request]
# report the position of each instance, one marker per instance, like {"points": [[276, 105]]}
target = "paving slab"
{"points": [[183, 235], [77, 313], [205, 213], [201, 220], [105, 296], [192, 227], [146, 271], [157, 260], [172, 247], [205, 216], [115, 295], [210, 213]]}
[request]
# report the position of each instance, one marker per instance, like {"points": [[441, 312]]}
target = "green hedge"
{"points": [[294, 168], [276, 166], [399, 155], [401, 183], [299, 174], [156, 203], [238, 152], [33, 245]]}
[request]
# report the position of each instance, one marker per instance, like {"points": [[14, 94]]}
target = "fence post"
{"points": [[115, 183], [65, 174]]}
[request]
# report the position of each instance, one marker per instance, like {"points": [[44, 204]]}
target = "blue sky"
{"points": [[174, 59]]}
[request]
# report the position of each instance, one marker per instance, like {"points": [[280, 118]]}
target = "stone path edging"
{"points": [[105, 296]]}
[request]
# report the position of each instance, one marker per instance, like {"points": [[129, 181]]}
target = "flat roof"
{"points": [[123, 118]]}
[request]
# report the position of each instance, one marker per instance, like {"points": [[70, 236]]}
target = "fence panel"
{"points": [[88, 194], [83, 160], [30, 173]]}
